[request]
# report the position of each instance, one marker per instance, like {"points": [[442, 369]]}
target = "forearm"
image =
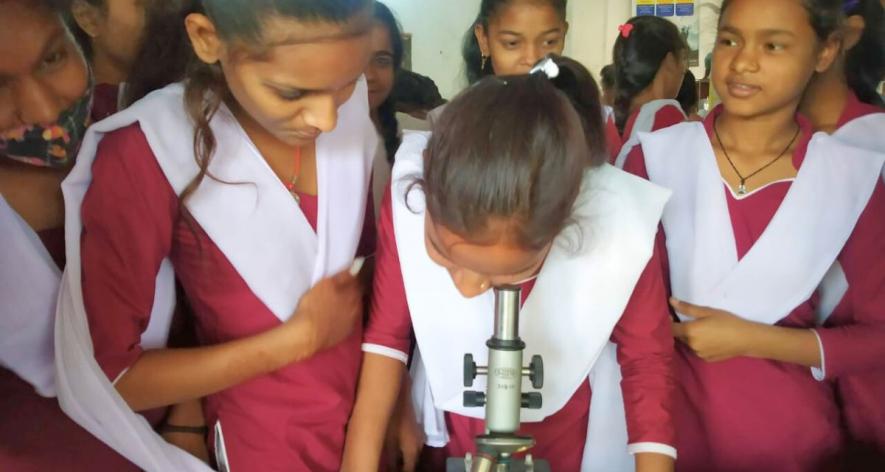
{"points": [[172, 376], [651, 462], [792, 345], [377, 396]]}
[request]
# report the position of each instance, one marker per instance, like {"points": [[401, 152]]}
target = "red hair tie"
{"points": [[625, 30]]}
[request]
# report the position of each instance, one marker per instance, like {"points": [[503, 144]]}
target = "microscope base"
{"points": [[458, 465]]}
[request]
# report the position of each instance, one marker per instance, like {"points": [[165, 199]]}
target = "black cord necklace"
{"points": [[742, 189]]}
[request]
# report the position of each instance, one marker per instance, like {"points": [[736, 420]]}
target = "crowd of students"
{"points": [[238, 235]]}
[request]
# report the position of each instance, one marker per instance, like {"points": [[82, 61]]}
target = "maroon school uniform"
{"points": [[642, 333], [291, 419], [35, 435], [861, 395], [755, 414]]}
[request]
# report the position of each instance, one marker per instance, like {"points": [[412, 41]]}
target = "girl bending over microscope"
{"points": [[510, 191]]}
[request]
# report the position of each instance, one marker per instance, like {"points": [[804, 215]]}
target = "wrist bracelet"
{"points": [[172, 428]]}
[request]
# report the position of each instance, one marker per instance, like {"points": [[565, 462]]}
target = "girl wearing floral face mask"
{"points": [[45, 99]]}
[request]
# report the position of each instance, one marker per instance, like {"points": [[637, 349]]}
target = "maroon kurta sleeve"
{"points": [[128, 214], [645, 353], [388, 331], [860, 346]]}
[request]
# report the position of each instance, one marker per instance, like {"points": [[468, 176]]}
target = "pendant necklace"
{"points": [[296, 172], [742, 188]]}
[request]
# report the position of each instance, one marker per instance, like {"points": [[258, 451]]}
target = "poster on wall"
{"points": [[684, 14]]}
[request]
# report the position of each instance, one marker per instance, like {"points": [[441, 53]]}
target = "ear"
{"points": [[204, 38], [482, 38], [852, 31], [828, 53], [88, 17]]}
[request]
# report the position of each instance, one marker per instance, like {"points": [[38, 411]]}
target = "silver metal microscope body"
{"points": [[503, 398]]}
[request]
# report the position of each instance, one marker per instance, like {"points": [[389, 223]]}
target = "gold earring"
{"points": [[482, 65]]}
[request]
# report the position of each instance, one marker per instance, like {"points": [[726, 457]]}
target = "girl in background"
{"points": [[45, 99], [649, 61], [760, 211], [126, 39], [387, 59], [843, 101], [510, 36]]}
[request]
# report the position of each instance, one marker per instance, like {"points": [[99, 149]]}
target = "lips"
{"points": [[305, 135], [740, 89]]}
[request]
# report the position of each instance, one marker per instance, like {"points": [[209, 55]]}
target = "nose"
{"points": [[533, 54], [745, 60], [470, 284], [36, 103], [321, 112]]}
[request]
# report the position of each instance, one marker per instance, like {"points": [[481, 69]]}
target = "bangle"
{"points": [[172, 428]]}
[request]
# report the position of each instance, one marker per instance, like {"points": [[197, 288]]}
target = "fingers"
{"points": [[679, 331], [694, 311], [344, 277]]}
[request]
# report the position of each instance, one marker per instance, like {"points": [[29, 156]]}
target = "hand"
{"points": [[714, 335], [330, 310], [405, 437]]}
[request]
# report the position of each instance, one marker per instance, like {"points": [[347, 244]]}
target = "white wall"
{"points": [[437, 27]]}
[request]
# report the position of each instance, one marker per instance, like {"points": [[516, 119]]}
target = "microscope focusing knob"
{"points": [[474, 399], [537, 372], [469, 370], [532, 400]]}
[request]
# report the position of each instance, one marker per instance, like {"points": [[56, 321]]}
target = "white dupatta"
{"points": [[578, 298], [29, 282], [788, 262], [867, 133], [643, 124], [257, 225]]}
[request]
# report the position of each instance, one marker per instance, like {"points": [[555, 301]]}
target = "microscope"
{"points": [[503, 398]]}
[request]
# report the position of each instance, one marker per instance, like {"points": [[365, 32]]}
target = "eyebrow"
{"points": [[436, 248], [514, 33], [51, 42], [303, 90], [764, 32], [384, 52]]}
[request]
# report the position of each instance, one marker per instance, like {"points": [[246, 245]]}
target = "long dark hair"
{"points": [[688, 97], [205, 85], [638, 57], [512, 147], [578, 84], [470, 51], [865, 62], [165, 43], [387, 110], [82, 38], [164, 52]]}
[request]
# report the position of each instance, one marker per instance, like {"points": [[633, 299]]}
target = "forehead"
{"points": [[766, 15], [316, 55], [25, 30], [526, 16], [380, 38], [494, 253]]}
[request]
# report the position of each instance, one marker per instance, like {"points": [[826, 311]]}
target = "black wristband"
{"points": [[172, 428]]}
